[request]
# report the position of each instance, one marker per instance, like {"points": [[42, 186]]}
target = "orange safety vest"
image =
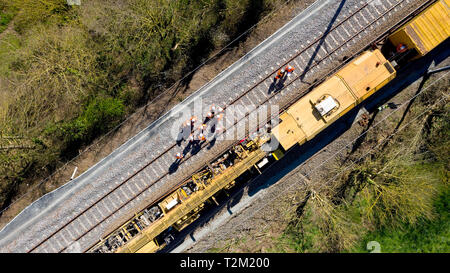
{"points": [[280, 74], [179, 156], [289, 69], [401, 48], [201, 137]]}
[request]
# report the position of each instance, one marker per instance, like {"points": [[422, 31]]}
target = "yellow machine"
{"points": [[333, 98], [425, 31]]}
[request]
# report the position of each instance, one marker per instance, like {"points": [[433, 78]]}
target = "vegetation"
{"points": [[425, 236], [70, 73], [5, 17]]}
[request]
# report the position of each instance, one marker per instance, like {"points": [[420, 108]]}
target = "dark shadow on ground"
{"points": [[322, 40], [174, 167]]}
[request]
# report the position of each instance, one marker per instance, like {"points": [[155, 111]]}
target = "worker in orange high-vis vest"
{"points": [[201, 137], [289, 69], [179, 156], [280, 74], [401, 48]]}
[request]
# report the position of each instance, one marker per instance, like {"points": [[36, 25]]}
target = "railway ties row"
{"points": [[158, 168], [89, 218]]}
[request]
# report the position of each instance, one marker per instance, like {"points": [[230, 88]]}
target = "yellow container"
{"points": [[427, 30]]}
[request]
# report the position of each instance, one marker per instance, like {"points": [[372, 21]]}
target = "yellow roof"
{"points": [[366, 72], [287, 132], [350, 85], [308, 118]]}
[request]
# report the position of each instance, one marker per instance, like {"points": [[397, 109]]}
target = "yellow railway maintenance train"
{"points": [[155, 227]]}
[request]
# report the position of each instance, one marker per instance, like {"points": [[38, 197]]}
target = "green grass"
{"points": [[8, 44], [7, 13], [423, 237], [5, 18]]}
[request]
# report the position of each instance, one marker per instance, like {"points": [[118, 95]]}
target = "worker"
{"points": [[280, 74], [219, 117], [179, 156], [268, 127], [212, 112], [289, 69], [401, 48], [201, 137]]}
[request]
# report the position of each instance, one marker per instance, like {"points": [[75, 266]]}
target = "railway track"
{"points": [[126, 194]]}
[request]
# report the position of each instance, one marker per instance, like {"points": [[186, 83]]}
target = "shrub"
{"points": [[100, 115]]}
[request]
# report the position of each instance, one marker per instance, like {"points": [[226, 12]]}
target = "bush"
{"points": [[7, 13], [33, 12], [100, 115]]}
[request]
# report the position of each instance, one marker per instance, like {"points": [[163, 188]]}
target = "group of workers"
{"points": [[218, 114], [215, 113], [286, 71]]}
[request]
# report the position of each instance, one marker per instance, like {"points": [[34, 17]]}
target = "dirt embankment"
{"points": [[218, 61]]}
